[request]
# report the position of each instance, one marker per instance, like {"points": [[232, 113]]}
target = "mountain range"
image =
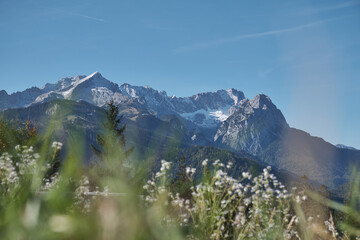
{"points": [[223, 121]]}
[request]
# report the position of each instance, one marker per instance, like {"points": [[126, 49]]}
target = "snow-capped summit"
{"points": [[94, 89], [207, 109], [95, 74], [61, 84]]}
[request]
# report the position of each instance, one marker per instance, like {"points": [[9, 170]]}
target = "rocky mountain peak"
{"points": [[95, 75], [3, 93], [260, 107], [236, 95], [62, 83], [252, 125], [261, 101], [128, 90]]}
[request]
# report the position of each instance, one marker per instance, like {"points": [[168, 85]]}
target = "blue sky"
{"points": [[305, 55]]}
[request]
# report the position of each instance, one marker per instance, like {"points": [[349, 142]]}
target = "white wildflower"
{"points": [[205, 162], [246, 175], [57, 145], [216, 162]]}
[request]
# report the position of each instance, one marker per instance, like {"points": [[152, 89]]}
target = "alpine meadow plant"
{"points": [[63, 205], [222, 207], [12, 135]]}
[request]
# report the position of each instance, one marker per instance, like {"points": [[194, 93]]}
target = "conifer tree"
{"points": [[181, 183], [181, 170], [112, 141]]}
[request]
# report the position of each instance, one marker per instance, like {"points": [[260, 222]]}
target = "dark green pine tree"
{"points": [[111, 142], [181, 183], [181, 170]]}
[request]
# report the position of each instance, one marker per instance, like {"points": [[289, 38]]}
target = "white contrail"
{"points": [[80, 15], [222, 41]]}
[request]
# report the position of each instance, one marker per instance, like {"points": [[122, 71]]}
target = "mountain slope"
{"points": [[258, 127], [224, 119], [154, 139]]}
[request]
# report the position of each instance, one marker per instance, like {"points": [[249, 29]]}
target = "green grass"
{"points": [[79, 202]]}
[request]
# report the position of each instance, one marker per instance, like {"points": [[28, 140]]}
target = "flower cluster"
{"points": [[50, 183], [164, 167], [224, 207], [8, 173], [57, 145], [156, 185], [24, 163], [28, 159], [11, 170], [81, 194]]}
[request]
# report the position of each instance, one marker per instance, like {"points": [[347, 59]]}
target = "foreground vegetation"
{"points": [[68, 205], [46, 196]]}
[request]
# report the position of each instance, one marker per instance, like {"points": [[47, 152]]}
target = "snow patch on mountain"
{"points": [[76, 83], [207, 118], [220, 115], [61, 84], [101, 95], [342, 146], [234, 95]]}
